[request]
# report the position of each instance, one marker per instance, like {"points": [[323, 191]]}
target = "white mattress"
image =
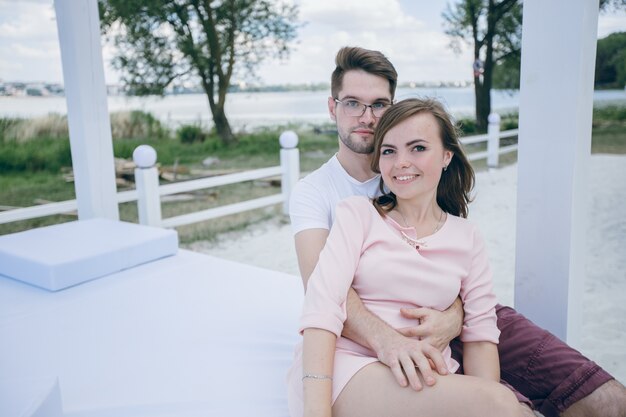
{"points": [[186, 335]]}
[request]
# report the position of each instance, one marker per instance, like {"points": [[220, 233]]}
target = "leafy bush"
{"points": [[7, 127], [136, 124], [41, 155], [191, 134], [52, 126], [467, 126], [611, 113]]}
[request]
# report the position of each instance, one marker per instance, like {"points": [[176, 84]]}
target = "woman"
{"points": [[411, 247]]}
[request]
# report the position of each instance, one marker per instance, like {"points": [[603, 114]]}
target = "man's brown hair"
{"points": [[355, 58]]}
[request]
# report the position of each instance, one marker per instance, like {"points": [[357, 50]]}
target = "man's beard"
{"points": [[360, 147]]}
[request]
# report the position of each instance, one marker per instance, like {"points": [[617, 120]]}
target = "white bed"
{"points": [[186, 335]]}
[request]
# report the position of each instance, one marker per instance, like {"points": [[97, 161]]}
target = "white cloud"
{"points": [[418, 51], [356, 15], [408, 32], [611, 22], [27, 21], [44, 51]]}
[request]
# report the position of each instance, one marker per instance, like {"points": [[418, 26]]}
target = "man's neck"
{"points": [[356, 165]]}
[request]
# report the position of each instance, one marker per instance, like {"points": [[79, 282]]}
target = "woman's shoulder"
{"points": [[462, 224], [358, 205], [464, 229], [357, 200], [461, 221]]}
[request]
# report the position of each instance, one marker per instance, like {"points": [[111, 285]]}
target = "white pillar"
{"points": [[147, 185], [87, 113], [556, 103], [493, 142], [290, 163]]}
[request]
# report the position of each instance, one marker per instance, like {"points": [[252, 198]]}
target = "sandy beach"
{"points": [[270, 245]]}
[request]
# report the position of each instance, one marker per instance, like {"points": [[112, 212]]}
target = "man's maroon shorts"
{"points": [[539, 367]]}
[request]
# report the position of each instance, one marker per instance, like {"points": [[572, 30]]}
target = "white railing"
{"points": [[148, 192], [492, 137]]}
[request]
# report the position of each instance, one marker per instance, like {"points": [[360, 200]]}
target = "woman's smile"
{"points": [[406, 178]]}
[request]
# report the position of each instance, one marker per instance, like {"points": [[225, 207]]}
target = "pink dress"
{"points": [[366, 252]]}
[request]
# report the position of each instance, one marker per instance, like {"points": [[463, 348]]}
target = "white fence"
{"points": [[148, 192]]}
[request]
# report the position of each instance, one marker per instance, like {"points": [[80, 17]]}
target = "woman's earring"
{"points": [[445, 168]]}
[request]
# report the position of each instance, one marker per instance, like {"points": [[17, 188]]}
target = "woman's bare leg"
{"points": [[374, 392]]}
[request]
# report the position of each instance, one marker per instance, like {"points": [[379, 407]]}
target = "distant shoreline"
{"points": [[251, 110]]}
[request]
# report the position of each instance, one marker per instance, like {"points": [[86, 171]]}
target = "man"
{"points": [[544, 371]]}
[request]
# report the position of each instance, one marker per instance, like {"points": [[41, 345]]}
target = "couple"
{"points": [[364, 366]]}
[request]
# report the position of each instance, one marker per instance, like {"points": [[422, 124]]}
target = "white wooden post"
{"points": [[147, 184], [556, 103], [493, 143], [87, 112], [290, 163]]}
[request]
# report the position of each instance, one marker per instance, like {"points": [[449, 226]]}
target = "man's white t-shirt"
{"points": [[314, 198]]}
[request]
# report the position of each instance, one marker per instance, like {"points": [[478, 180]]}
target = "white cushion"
{"points": [[30, 397], [63, 255]]}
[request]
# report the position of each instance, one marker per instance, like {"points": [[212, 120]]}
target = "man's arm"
{"points": [[435, 327], [367, 329]]}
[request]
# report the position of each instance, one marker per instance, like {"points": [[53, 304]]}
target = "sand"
{"points": [[270, 245]]}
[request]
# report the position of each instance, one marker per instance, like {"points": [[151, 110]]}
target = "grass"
{"points": [[609, 139], [32, 170]]}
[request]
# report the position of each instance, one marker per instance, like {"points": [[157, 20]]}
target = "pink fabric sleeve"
{"points": [[327, 289], [479, 300]]}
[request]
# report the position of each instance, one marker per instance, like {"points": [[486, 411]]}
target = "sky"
{"points": [[409, 32]]}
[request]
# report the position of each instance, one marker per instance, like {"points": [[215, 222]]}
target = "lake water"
{"points": [[246, 110]]}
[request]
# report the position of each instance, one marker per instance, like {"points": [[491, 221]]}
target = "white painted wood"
{"points": [[127, 196], [38, 211], [148, 202], [556, 101], [493, 142], [509, 133], [508, 149], [88, 117], [216, 212], [290, 162], [477, 155], [474, 139], [185, 186]]}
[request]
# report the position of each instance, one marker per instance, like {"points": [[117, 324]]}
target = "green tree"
{"points": [[607, 5], [159, 42], [494, 30], [506, 73], [611, 61]]}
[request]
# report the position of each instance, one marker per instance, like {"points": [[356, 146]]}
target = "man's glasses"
{"points": [[355, 108]]}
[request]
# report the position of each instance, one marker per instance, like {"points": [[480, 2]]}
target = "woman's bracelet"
{"points": [[314, 376]]}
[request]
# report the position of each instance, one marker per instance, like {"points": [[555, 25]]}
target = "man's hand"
{"points": [[404, 356], [436, 328]]}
